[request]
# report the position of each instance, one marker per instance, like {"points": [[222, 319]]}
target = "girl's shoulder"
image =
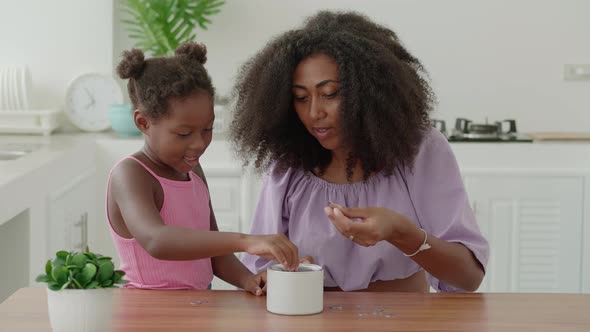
{"points": [[129, 165], [130, 171]]}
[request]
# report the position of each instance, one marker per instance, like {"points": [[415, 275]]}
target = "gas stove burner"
{"points": [[467, 131], [478, 135]]}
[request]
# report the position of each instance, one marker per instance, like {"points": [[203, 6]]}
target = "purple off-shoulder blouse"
{"points": [[431, 195]]}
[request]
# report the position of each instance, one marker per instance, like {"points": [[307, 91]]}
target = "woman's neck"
{"points": [[335, 172]]}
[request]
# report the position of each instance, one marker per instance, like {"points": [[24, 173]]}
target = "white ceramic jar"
{"points": [[298, 292]]}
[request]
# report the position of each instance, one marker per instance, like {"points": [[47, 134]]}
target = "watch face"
{"points": [[88, 100]]}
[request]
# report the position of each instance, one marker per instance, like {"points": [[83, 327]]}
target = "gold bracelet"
{"points": [[424, 246]]}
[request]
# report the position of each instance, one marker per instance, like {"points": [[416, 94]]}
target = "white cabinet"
{"points": [[71, 211], [534, 226], [234, 194], [225, 193]]}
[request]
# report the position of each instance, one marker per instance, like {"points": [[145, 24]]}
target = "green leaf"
{"points": [[60, 274], [79, 260], [62, 254], [103, 260], [66, 284], [74, 268], [118, 275], [48, 267], [75, 281], [69, 259], [54, 287], [107, 283], [43, 278], [87, 274], [105, 271], [58, 261], [92, 285]]}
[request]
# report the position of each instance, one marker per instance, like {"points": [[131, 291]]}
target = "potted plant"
{"points": [[160, 26], [79, 295]]}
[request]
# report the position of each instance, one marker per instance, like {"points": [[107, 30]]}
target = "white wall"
{"points": [[495, 58], [58, 40]]}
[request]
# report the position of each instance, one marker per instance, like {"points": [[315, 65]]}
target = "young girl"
{"points": [[158, 205]]}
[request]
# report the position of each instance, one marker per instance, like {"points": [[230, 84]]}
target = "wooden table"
{"points": [[143, 310]]}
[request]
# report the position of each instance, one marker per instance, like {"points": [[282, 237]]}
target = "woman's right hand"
{"points": [[276, 246]]}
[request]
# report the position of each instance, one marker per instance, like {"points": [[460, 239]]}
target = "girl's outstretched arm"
{"points": [[133, 189], [228, 267]]}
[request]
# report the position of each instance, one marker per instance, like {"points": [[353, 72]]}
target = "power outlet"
{"points": [[576, 72]]}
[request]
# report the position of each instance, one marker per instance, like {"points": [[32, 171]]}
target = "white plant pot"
{"points": [[80, 310], [295, 293]]}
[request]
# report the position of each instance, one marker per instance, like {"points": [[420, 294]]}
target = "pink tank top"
{"points": [[186, 204]]}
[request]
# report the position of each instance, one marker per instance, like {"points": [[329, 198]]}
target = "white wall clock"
{"points": [[88, 99]]}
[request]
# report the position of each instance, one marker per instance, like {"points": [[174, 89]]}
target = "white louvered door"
{"points": [[534, 225]]}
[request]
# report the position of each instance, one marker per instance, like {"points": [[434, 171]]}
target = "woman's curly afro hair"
{"points": [[153, 81], [385, 98]]}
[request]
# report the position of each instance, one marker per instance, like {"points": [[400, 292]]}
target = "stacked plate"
{"points": [[16, 113], [15, 88]]}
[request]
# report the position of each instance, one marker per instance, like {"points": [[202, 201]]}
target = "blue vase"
{"points": [[121, 117]]}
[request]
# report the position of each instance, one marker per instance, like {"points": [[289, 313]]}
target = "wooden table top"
{"points": [[150, 310]]}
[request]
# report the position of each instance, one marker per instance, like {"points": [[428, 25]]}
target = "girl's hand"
{"points": [[276, 246], [376, 224], [256, 284]]}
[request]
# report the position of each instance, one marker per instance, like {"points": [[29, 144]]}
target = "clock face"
{"points": [[88, 100]]}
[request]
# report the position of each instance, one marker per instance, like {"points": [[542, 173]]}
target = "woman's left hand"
{"points": [[256, 284], [376, 224]]}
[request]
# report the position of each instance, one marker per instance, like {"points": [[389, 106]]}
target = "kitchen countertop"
{"points": [[543, 155], [46, 150]]}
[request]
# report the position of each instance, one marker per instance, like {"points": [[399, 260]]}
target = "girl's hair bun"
{"points": [[193, 50], [132, 64]]}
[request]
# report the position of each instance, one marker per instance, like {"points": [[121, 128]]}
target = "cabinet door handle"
{"points": [[84, 230], [83, 224]]}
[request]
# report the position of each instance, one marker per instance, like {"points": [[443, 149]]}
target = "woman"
{"points": [[337, 113]]}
